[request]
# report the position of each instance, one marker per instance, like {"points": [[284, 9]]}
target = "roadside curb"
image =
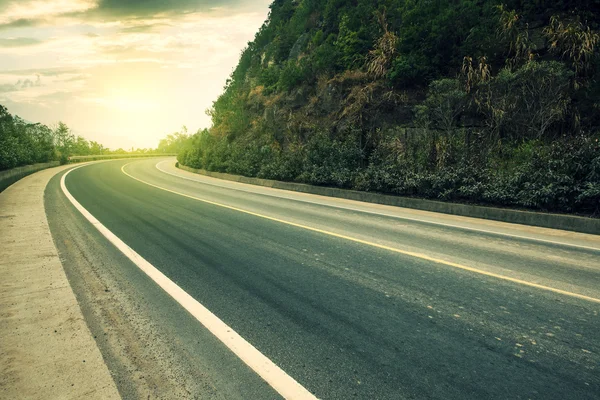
{"points": [[46, 348], [545, 220], [10, 176]]}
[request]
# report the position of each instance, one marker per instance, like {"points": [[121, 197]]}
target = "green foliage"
{"points": [[23, 143], [561, 176], [444, 104], [284, 165], [410, 70], [326, 57], [483, 101], [321, 161], [65, 141], [205, 151], [269, 77], [175, 142], [350, 44], [318, 38], [293, 74], [526, 102], [329, 161]]}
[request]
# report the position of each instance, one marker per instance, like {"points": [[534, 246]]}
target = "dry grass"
{"points": [[380, 58], [350, 77], [473, 74], [517, 35], [574, 41], [256, 91], [271, 100]]}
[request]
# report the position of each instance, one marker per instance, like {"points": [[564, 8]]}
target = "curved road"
{"points": [[351, 300]]}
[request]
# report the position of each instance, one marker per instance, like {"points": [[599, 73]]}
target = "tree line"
{"points": [[24, 143]]}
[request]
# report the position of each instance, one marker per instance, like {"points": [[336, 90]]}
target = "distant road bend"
{"points": [[263, 293]]}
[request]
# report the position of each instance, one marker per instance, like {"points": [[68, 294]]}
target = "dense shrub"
{"points": [[481, 101], [330, 161], [23, 143], [562, 176], [293, 74], [526, 102], [410, 70]]}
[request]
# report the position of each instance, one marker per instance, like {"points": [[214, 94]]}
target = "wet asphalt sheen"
{"points": [[348, 320]]}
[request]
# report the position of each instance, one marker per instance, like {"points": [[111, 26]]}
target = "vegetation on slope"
{"points": [[475, 100]]}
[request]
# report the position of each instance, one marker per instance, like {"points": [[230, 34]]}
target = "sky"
{"points": [[124, 73]]}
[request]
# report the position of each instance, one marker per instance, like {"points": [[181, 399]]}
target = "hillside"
{"points": [[476, 101]]}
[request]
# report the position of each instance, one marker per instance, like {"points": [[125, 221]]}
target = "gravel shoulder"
{"points": [[46, 348]]}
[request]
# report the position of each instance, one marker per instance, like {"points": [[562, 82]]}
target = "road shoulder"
{"points": [[566, 222], [473, 224], [46, 348]]}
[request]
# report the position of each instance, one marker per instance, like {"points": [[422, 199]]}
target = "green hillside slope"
{"points": [[476, 101]]}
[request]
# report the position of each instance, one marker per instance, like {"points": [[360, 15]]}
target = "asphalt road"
{"points": [[351, 300]]}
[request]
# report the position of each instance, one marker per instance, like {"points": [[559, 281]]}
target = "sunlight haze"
{"points": [[123, 73]]}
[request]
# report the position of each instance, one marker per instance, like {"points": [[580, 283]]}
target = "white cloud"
{"points": [[23, 9], [132, 78]]}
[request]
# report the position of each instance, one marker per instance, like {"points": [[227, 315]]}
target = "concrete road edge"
{"points": [[46, 348]]}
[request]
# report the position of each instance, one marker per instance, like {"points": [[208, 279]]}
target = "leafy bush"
{"points": [[410, 70], [560, 176], [350, 44], [269, 77], [326, 57], [526, 102], [329, 161], [284, 165], [444, 104], [293, 74], [23, 143]]}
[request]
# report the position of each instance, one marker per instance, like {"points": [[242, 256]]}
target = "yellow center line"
{"points": [[373, 244]]}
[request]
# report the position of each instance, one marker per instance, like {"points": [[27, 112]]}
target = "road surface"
{"points": [[350, 300]]}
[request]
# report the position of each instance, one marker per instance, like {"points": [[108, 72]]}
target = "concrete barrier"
{"points": [[10, 176], [545, 220]]}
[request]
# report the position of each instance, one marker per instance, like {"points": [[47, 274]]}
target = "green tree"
{"points": [[96, 148], [80, 147], [64, 141], [175, 142]]}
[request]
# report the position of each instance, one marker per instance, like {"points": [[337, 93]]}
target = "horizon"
{"points": [[122, 73]]}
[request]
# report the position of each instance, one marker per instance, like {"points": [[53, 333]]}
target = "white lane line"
{"points": [[284, 384], [510, 235]]}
